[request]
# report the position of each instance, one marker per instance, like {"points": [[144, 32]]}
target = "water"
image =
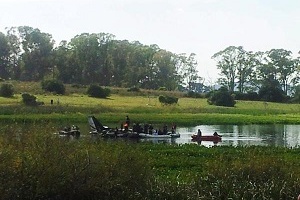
{"points": [[237, 135], [246, 135]]}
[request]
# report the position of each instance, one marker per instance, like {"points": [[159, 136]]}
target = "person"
{"points": [[199, 133], [116, 131], [150, 129], [165, 130], [146, 128], [216, 134], [125, 127], [127, 121]]}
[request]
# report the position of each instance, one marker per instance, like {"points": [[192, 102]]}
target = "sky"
{"points": [[203, 27]]}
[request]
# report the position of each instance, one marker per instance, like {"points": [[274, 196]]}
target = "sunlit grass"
{"points": [[143, 106], [148, 109]]}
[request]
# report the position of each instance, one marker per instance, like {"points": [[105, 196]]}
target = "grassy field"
{"points": [[141, 108]]}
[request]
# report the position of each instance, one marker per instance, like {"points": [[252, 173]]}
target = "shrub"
{"points": [[53, 86], [30, 100], [97, 91], [193, 94], [167, 100], [221, 97], [6, 90]]}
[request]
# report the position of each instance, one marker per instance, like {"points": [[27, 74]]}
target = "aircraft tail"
{"points": [[95, 125]]}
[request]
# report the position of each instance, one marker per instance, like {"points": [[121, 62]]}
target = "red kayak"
{"points": [[214, 138]]}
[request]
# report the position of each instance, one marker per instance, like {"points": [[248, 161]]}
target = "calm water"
{"points": [[236, 135], [242, 135]]}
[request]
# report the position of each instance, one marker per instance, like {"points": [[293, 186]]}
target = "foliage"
{"points": [[193, 94], [222, 97], [271, 91], [30, 100], [6, 90], [53, 86], [97, 58], [97, 91], [167, 100], [4, 57], [296, 96], [251, 96]]}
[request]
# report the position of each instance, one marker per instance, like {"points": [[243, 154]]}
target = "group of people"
{"points": [[199, 133], [147, 128]]}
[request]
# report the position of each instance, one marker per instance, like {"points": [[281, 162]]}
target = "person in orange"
{"points": [[127, 121]]}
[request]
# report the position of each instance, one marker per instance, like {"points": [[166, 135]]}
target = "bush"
{"points": [[30, 100], [53, 86], [97, 91], [167, 100], [7, 90], [193, 94], [221, 97]]}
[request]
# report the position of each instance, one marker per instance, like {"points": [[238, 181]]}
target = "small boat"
{"points": [[213, 138], [70, 131]]}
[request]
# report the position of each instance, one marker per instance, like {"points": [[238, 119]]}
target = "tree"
{"points": [[4, 57], [296, 95], [14, 43], [284, 65], [271, 90], [188, 70], [228, 61], [90, 56], [245, 70], [37, 47]]}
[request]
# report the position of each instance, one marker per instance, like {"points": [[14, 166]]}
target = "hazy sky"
{"points": [[203, 27]]}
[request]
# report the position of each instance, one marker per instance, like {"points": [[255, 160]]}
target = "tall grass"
{"points": [[37, 165]]}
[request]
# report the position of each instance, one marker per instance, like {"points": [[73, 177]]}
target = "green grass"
{"points": [[142, 106], [147, 109]]}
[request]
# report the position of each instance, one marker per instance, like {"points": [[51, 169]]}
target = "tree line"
{"points": [[27, 54], [247, 71]]}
